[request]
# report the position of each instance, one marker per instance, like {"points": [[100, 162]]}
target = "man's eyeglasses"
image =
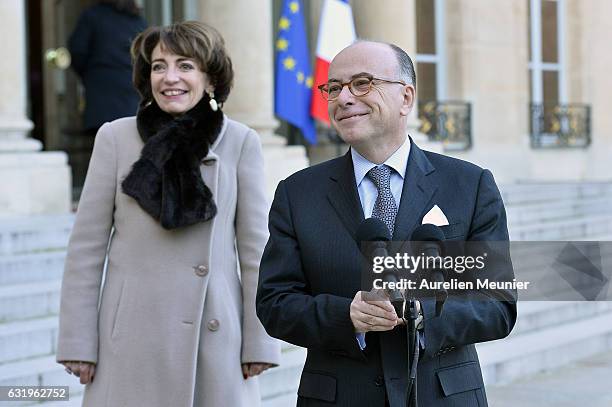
{"points": [[359, 86]]}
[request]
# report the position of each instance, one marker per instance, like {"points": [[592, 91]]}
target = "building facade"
{"points": [[517, 86]]}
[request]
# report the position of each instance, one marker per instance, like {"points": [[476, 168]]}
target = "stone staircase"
{"points": [[550, 334], [547, 335], [550, 212], [32, 252]]}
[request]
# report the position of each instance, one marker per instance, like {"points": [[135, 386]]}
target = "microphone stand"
{"points": [[411, 311]]}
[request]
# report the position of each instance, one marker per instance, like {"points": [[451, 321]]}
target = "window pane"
{"points": [[426, 27], [426, 82], [551, 87], [530, 74], [549, 31]]}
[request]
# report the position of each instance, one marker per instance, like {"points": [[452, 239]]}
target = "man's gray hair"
{"points": [[406, 67], [404, 62]]}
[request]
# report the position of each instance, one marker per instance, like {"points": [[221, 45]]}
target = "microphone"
{"points": [[431, 243], [375, 231]]}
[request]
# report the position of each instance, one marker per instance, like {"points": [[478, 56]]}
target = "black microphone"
{"points": [[431, 243], [375, 231]]}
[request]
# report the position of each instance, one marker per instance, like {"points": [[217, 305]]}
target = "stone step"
{"points": [[34, 233], [518, 194], [540, 212], [30, 267], [281, 382], [566, 229], [585, 382], [551, 280], [40, 371], [27, 339], [31, 300], [604, 237], [539, 315], [524, 353]]}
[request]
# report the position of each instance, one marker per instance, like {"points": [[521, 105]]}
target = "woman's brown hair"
{"points": [[191, 39]]}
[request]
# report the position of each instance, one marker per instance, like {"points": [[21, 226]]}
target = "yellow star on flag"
{"points": [[289, 63], [284, 23], [282, 44], [300, 77], [294, 6], [309, 82]]}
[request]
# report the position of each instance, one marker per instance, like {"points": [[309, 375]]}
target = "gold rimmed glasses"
{"points": [[358, 86]]}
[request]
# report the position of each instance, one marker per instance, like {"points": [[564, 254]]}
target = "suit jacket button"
{"points": [[213, 325], [379, 381], [201, 270]]}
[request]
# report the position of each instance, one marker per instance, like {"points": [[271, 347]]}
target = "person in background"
{"points": [[100, 49], [179, 191]]}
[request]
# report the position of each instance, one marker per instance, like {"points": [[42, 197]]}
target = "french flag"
{"points": [[336, 32]]}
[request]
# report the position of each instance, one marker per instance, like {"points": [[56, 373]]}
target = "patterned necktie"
{"points": [[385, 207]]}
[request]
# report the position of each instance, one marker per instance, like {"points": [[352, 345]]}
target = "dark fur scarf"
{"points": [[166, 180]]}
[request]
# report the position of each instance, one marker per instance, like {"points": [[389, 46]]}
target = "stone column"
{"points": [[31, 182], [14, 125], [595, 62], [247, 26], [394, 22], [487, 54]]}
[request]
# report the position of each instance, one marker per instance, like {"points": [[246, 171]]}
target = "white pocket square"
{"points": [[435, 216]]}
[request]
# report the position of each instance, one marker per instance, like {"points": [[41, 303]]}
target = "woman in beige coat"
{"points": [[174, 204]]}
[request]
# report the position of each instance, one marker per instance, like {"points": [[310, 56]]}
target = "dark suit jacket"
{"points": [[100, 49], [310, 271]]}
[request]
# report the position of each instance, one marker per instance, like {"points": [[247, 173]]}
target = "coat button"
{"points": [[201, 270], [379, 381], [213, 325]]}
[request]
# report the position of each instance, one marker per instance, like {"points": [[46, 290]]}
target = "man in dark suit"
{"points": [[309, 288]]}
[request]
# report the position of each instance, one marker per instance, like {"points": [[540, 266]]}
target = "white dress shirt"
{"points": [[366, 187], [368, 191]]}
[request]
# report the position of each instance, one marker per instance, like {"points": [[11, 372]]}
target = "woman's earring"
{"points": [[213, 103]]}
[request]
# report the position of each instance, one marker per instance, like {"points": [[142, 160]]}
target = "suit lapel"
{"points": [[417, 193], [343, 195]]}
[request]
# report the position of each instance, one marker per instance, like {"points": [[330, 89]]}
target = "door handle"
{"points": [[58, 57]]}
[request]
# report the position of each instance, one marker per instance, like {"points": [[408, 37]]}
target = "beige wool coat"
{"points": [[173, 302]]}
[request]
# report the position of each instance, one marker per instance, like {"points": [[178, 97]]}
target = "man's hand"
{"points": [[83, 370], [372, 311]]}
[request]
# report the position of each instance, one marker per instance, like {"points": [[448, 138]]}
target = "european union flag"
{"points": [[293, 89]]}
